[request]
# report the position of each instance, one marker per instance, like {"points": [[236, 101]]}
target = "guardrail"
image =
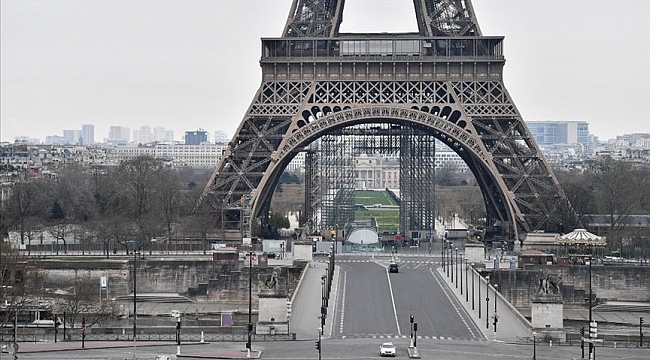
{"points": [[23, 337]]}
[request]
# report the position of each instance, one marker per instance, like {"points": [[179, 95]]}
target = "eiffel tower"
{"points": [[447, 80]]}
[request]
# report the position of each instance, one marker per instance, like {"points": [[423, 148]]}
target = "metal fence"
{"points": [[34, 336]]}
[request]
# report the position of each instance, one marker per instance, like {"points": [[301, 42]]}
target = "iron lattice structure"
{"points": [[336, 171], [417, 183], [446, 80]]}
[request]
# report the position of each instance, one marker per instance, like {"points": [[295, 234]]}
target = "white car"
{"points": [[387, 349]]}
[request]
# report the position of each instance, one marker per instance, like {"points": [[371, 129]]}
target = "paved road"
{"points": [[376, 304], [353, 349]]}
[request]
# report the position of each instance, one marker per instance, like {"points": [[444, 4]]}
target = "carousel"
{"points": [[576, 246]]}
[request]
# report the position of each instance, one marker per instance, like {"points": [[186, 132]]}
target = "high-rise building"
{"points": [[87, 134], [68, 135], [143, 136], [560, 132], [118, 135], [169, 136], [196, 137], [159, 133], [221, 137]]}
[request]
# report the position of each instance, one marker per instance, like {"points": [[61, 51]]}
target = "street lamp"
{"points": [[451, 263], [442, 253], [496, 316], [322, 304], [249, 326], [135, 290], [288, 317], [466, 281], [591, 344], [487, 302], [534, 346], [479, 295], [473, 286], [457, 273]]}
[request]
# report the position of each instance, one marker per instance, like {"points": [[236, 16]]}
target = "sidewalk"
{"points": [[25, 348], [510, 326], [305, 317]]}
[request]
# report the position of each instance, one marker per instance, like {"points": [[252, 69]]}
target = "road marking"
{"points": [[345, 283], [453, 303], [392, 298]]}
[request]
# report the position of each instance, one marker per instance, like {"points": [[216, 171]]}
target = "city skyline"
{"points": [[184, 65]]}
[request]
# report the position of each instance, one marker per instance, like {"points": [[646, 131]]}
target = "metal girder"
{"points": [[447, 82], [446, 18], [314, 18]]}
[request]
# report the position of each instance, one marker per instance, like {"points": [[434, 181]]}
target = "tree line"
{"points": [[125, 206]]}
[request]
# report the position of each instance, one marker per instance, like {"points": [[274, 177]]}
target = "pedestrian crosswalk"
{"points": [[393, 336], [401, 262]]}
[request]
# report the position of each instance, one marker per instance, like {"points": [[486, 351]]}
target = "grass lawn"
{"points": [[371, 197], [387, 220]]}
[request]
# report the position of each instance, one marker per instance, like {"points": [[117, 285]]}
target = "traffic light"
{"points": [[412, 319], [56, 326], [582, 331], [318, 345], [593, 330], [641, 321], [415, 326]]}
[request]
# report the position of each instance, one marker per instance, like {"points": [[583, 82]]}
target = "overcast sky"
{"points": [[193, 64]]}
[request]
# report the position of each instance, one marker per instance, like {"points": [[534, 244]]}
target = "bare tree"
{"points": [[138, 177], [168, 199], [23, 204], [615, 192], [82, 300], [20, 280]]}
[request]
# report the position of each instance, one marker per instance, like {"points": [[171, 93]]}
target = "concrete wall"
{"points": [[626, 283], [201, 280]]}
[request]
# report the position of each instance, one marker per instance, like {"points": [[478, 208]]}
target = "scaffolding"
{"points": [[417, 185], [332, 167], [336, 181]]}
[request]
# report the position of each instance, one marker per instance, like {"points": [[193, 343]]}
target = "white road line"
{"points": [[446, 291], [392, 298], [345, 283]]}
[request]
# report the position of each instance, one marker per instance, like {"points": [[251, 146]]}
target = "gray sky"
{"points": [[193, 64]]}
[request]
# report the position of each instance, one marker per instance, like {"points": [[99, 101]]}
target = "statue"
{"points": [[272, 281], [549, 284]]}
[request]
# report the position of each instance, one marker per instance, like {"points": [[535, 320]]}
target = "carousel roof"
{"points": [[583, 237]]}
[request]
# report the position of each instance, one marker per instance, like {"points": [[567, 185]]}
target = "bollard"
{"points": [[614, 344], [202, 339], [550, 342]]}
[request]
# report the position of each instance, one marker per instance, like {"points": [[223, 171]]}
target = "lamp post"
{"points": [[135, 292], [591, 344], [448, 264], [322, 306], [473, 286], [249, 326], [443, 245], [534, 346], [487, 302], [288, 317], [457, 274], [496, 316], [135, 295], [479, 296], [451, 263], [466, 281]]}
